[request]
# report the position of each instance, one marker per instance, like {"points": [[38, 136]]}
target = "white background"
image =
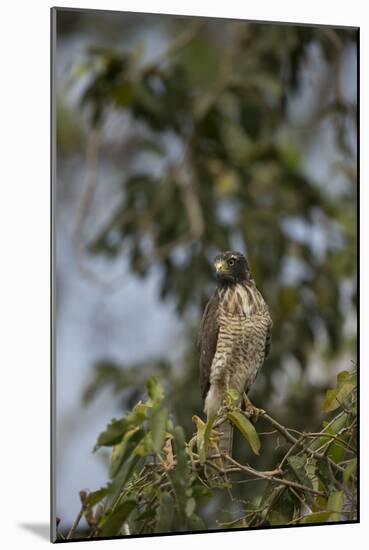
{"points": [[25, 287]]}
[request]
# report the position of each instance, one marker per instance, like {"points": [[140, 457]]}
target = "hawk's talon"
{"points": [[251, 411]]}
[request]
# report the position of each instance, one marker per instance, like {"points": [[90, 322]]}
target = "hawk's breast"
{"points": [[244, 321]]}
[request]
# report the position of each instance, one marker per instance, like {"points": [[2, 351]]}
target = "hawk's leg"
{"points": [[250, 409]]}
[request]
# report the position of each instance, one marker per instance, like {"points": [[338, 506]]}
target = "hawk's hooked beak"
{"points": [[221, 266]]}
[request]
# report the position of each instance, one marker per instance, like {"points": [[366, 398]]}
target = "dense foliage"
{"points": [[158, 483]]}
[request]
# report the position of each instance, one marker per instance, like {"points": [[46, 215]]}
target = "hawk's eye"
{"points": [[231, 261]]}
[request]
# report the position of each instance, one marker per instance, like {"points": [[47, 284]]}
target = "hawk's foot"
{"points": [[251, 411]]}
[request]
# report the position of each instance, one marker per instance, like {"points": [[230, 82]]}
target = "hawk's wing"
{"points": [[207, 341], [268, 340]]}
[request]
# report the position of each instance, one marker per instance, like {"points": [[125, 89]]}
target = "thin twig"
{"points": [[290, 451], [292, 439], [279, 427], [271, 477], [58, 532], [332, 436], [76, 522]]}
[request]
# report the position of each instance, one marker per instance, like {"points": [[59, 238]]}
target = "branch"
{"points": [[271, 477], [290, 451], [299, 442], [82, 495]]}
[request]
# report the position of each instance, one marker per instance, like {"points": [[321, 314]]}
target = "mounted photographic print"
{"points": [[204, 275]]}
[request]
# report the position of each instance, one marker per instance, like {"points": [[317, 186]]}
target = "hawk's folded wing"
{"points": [[268, 340], [207, 341]]}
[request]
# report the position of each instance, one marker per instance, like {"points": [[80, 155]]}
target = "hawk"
{"points": [[234, 338]]}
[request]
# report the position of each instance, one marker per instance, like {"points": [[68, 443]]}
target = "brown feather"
{"points": [[207, 341], [268, 340]]}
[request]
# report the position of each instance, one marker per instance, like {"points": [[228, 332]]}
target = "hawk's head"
{"points": [[231, 267]]}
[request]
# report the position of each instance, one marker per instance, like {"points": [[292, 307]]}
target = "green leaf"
{"points": [[316, 517], [95, 496], [144, 448], [335, 505], [124, 449], [297, 464], [179, 443], [326, 478], [154, 389], [147, 514], [207, 432], [337, 450], [165, 513], [268, 501], [333, 428], [158, 424], [304, 469], [203, 431], [246, 428], [279, 517], [190, 506], [334, 398], [349, 470], [113, 522], [179, 476], [113, 433], [195, 523], [117, 428], [121, 477], [199, 491], [310, 470]]}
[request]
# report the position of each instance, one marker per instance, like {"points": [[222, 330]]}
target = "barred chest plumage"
{"points": [[244, 322]]}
